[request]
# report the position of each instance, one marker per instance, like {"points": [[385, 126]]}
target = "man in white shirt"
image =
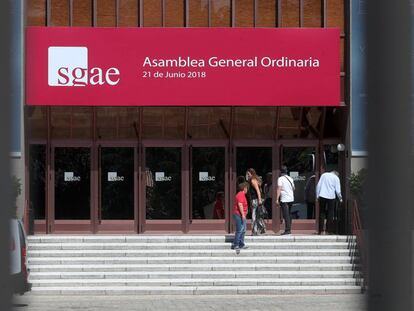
{"points": [[327, 190], [285, 189]]}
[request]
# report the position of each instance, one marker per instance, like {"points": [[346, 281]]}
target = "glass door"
{"points": [[72, 188], [163, 188], [260, 159], [116, 188], [207, 188], [302, 167]]}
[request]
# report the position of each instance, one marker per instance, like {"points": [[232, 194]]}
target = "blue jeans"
{"points": [[240, 231]]}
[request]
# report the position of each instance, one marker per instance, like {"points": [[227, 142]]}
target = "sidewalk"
{"points": [[31, 302]]}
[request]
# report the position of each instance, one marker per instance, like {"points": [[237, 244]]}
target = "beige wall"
{"points": [[358, 163]]}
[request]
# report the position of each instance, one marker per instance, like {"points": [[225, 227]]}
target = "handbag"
{"points": [[262, 211]]}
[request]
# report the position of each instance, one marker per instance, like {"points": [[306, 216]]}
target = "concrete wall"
{"points": [[17, 169], [358, 163]]}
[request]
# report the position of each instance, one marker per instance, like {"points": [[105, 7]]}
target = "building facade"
{"points": [[175, 169]]}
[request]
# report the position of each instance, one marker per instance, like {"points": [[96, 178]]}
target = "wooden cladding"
{"points": [[194, 13]]}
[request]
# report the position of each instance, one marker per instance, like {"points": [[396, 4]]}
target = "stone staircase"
{"points": [[192, 264]]}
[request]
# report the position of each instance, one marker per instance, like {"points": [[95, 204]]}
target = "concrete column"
{"points": [[390, 180]]}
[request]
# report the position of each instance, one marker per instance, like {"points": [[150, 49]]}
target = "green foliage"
{"points": [[17, 190], [17, 187], [357, 182]]}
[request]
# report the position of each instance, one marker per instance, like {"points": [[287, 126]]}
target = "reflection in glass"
{"points": [[208, 182], [163, 182], [335, 122], [254, 122], [163, 122], [37, 122], [331, 158], [300, 162], [71, 122], [289, 118], [72, 183], [311, 122], [117, 183], [209, 122], [117, 122]]}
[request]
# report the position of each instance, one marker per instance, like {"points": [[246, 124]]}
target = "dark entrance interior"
{"points": [[116, 183], [163, 185], [72, 168]]}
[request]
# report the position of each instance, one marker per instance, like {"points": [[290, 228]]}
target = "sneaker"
{"points": [[237, 249], [244, 247], [286, 233]]}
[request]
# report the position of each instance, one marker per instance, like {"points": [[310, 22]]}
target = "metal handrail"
{"points": [[358, 232]]}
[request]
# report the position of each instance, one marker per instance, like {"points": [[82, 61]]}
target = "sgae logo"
{"points": [[68, 66]]}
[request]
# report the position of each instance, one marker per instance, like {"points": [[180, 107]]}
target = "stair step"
{"points": [[184, 246], [195, 267], [193, 282], [197, 290], [189, 260], [191, 274], [183, 238], [188, 252], [192, 265]]}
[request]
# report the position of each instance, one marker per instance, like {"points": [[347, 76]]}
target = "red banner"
{"points": [[182, 66]]}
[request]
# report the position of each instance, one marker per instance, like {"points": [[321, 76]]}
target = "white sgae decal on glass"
{"points": [[203, 176], [113, 176], [160, 176], [70, 176]]}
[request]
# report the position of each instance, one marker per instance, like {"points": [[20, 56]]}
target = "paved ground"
{"points": [[30, 302]]}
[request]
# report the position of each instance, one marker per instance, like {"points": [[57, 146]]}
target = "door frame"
{"points": [[40, 226], [160, 225], [116, 225], [71, 225], [304, 225], [209, 225]]}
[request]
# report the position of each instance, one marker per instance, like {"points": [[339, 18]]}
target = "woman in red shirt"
{"points": [[239, 216]]}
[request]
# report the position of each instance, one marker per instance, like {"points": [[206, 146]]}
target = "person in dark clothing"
{"points": [[328, 190], [268, 195], [258, 225], [310, 197]]}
